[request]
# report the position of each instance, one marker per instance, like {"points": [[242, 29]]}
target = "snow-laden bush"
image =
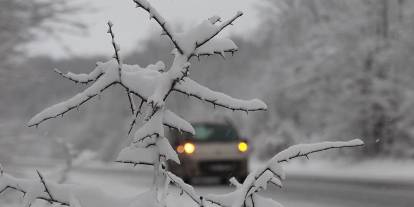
{"points": [[152, 85]]}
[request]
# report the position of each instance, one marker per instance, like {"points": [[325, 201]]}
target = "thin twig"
{"points": [[137, 112], [42, 180], [116, 49], [160, 20]]}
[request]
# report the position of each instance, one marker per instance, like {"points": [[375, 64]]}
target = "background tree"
{"points": [[337, 69], [21, 22]]}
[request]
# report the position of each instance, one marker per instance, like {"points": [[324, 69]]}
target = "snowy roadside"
{"points": [[387, 171], [368, 171]]}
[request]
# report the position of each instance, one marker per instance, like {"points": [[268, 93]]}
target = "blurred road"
{"points": [[311, 191], [298, 191], [342, 193]]}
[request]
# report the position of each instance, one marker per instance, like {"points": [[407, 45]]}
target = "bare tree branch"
{"points": [[137, 112], [42, 180], [160, 20], [116, 48], [131, 101]]}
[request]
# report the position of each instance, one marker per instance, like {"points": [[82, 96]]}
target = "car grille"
{"points": [[219, 167]]}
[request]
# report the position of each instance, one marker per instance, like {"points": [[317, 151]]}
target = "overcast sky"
{"points": [[133, 25]]}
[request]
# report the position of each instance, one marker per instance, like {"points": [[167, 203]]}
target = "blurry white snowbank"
{"points": [[91, 165], [376, 170]]}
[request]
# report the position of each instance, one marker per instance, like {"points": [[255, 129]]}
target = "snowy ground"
{"points": [[314, 184], [391, 171]]}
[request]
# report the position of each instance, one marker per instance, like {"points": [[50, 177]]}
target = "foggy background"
{"points": [[328, 70]]}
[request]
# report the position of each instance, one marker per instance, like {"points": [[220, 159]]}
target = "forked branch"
{"points": [[219, 29], [259, 179], [24, 186], [42, 180]]}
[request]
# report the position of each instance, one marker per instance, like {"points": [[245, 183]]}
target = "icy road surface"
{"points": [[298, 191]]}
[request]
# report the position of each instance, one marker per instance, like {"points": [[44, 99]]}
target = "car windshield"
{"points": [[214, 132]]}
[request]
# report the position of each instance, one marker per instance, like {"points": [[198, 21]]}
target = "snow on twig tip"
{"points": [[214, 19], [110, 24]]}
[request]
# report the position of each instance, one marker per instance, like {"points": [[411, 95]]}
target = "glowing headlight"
{"points": [[180, 149], [189, 148], [243, 147]]}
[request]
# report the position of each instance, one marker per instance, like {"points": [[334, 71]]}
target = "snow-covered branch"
{"points": [[217, 46], [246, 194], [81, 78], [212, 33], [160, 20], [186, 188], [33, 190], [66, 194], [303, 150], [137, 80], [153, 127], [273, 172], [174, 121], [192, 88], [105, 81]]}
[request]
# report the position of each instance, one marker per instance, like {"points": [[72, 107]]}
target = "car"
{"points": [[215, 150]]}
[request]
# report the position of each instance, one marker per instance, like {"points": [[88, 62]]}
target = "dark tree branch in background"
{"points": [[21, 21]]}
